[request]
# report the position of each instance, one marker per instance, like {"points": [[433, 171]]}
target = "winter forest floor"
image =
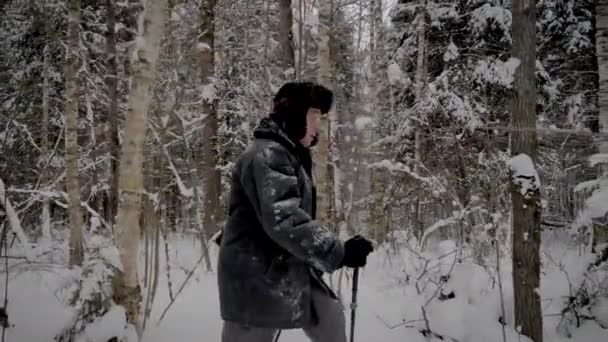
{"points": [[389, 304]]}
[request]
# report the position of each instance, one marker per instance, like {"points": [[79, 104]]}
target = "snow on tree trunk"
{"points": [[112, 115], [130, 183], [525, 185], [71, 134], [13, 218], [46, 210], [286, 38], [212, 213], [323, 171]]}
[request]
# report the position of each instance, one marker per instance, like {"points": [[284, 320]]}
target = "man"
{"points": [[272, 252]]}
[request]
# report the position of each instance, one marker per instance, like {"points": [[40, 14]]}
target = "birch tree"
{"points": [[378, 214], [71, 134], [323, 169], [130, 183], [525, 189]]}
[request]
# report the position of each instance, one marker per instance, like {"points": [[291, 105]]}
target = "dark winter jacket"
{"points": [[272, 250]]}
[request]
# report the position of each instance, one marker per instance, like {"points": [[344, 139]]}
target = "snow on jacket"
{"points": [[272, 250]]}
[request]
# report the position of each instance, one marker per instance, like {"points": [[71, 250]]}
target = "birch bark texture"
{"points": [[323, 171], [130, 183]]}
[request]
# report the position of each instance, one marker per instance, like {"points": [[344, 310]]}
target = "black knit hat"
{"points": [[292, 102]]}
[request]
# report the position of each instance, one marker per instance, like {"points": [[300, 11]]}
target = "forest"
{"points": [[468, 139]]}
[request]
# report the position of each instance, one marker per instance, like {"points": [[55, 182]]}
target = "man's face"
{"points": [[313, 123]]}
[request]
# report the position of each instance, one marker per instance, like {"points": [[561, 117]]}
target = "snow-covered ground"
{"points": [[389, 301]]}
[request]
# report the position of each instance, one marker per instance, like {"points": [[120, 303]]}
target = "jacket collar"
{"points": [[269, 129]]}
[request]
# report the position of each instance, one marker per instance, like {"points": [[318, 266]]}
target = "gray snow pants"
{"points": [[331, 325]]}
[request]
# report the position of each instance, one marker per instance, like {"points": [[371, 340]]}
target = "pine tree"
{"points": [[525, 190]]}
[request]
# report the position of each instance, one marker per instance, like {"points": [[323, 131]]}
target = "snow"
{"points": [[600, 312], [488, 14], [200, 46], [363, 122], [595, 206], [175, 16], [208, 92], [599, 158], [451, 53], [524, 174], [110, 325], [395, 74], [495, 71], [436, 226], [393, 289], [34, 309], [589, 185]]}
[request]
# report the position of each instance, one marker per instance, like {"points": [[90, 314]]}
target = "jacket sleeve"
{"points": [[285, 222]]}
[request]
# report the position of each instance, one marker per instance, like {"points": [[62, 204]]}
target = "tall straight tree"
{"points": [[112, 114], [210, 173], [323, 167], [286, 37], [46, 210], [71, 134], [526, 209], [377, 176], [601, 9], [421, 93], [602, 61], [130, 182]]}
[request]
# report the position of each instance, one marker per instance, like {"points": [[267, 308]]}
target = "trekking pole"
{"points": [[353, 304]]}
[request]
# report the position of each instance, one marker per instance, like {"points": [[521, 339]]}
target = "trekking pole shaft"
{"points": [[353, 306]]}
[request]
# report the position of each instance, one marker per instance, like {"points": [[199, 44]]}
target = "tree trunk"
{"points": [[601, 35], [112, 115], [130, 183], [46, 210], [378, 177], [421, 99], [323, 170], [378, 65], [71, 134], [300, 68], [286, 38], [526, 210], [211, 175]]}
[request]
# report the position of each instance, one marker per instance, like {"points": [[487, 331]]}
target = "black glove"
{"points": [[356, 250]]}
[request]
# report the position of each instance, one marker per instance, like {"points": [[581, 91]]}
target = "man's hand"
{"points": [[356, 250]]}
